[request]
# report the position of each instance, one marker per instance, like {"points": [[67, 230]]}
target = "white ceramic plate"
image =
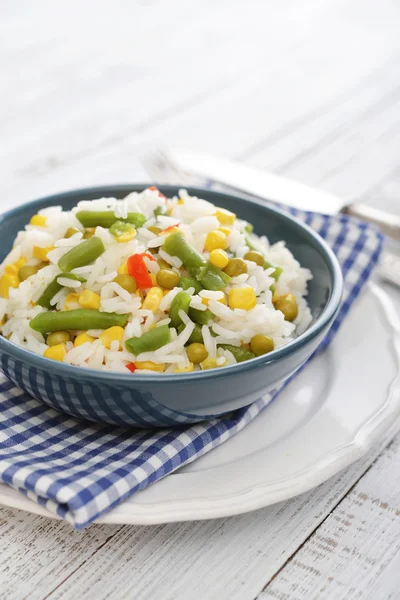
{"points": [[326, 419]]}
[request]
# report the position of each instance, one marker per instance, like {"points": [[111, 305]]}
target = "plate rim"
{"points": [[254, 496]]}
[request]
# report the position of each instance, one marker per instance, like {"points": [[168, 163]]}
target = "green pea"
{"points": [[235, 267], [261, 344], [256, 257], [287, 304], [167, 279], [196, 353], [127, 282], [28, 270], [163, 264], [58, 337]]}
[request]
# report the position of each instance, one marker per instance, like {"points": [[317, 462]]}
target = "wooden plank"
{"points": [[355, 553], [224, 558], [36, 552]]}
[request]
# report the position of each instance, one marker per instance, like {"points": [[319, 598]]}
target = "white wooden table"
{"points": [[309, 89]]}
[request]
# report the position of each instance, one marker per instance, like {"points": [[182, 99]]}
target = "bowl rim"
{"points": [[324, 319]]}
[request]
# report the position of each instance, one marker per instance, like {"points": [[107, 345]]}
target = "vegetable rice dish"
{"points": [[150, 284]]}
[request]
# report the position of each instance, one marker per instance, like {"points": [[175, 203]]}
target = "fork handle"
{"points": [[389, 223]]}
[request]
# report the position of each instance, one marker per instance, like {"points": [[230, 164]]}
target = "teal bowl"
{"points": [[162, 400]]}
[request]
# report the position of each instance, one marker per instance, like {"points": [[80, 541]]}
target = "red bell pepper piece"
{"points": [[153, 187], [138, 270], [131, 367], [170, 227]]}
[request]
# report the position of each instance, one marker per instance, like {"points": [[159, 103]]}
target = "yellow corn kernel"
{"points": [[71, 298], [11, 269], [153, 299], [242, 298], [123, 269], [214, 240], [56, 352], [219, 258], [225, 217], [180, 201], [15, 267], [153, 278], [221, 300], [112, 334], [150, 366], [7, 281], [89, 299], [127, 236], [38, 220], [211, 363], [187, 369], [225, 230], [2, 322], [41, 253], [82, 338]]}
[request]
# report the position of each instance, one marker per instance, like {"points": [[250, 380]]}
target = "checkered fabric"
{"points": [[79, 470]]}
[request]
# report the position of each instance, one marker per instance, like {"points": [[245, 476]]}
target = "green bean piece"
{"points": [[180, 302], [213, 278], [120, 228], [52, 289], [209, 276], [79, 319], [248, 228], [81, 255], [176, 245], [72, 276], [187, 282], [200, 316], [277, 273], [159, 210], [196, 337], [149, 341], [240, 353], [106, 218]]}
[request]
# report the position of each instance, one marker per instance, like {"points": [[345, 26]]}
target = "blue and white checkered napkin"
{"points": [[80, 470]]}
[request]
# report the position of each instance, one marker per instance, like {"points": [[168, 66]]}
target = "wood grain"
{"points": [[356, 551], [307, 89]]}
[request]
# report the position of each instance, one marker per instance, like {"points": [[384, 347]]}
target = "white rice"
{"points": [[195, 218]]}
